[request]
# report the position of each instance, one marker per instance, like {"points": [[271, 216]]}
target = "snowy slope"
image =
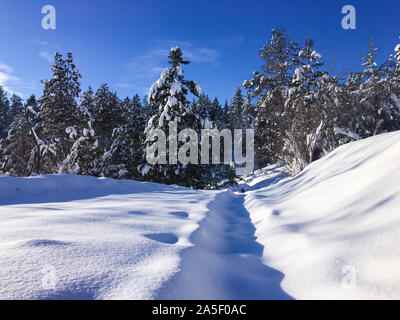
{"points": [[75, 237], [334, 230]]}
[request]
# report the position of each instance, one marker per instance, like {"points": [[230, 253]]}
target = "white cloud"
{"points": [[6, 68], [200, 54], [6, 78], [46, 55]]}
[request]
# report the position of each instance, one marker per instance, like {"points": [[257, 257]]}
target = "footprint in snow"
{"points": [[168, 238], [45, 243], [181, 214], [138, 213]]}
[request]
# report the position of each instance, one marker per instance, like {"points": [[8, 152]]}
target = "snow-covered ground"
{"points": [[92, 238], [334, 230], [331, 232]]}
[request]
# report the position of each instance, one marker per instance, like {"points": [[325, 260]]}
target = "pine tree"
{"points": [[269, 86], [59, 108], [22, 152], [302, 122], [376, 97], [16, 106], [169, 95], [87, 104], [16, 148], [106, 114], [84, 156], [249, 113], [4, 113], [34, 107], [202, 110], [217, 115], [236, 112], [125, 153], [225, 115]]}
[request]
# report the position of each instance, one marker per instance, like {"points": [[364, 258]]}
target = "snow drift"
{"points": [[334, 230]]}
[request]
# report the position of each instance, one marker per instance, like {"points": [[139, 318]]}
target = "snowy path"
{"points": [[224, 262]]}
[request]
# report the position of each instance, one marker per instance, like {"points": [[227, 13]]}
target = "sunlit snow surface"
{"points": [[105, 239], [334, 230]]}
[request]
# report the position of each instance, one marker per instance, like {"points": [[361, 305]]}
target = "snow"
{"points": [[298, 75], [31, 110], [396, 100], [172, 101], [72, 132], [178, 71], [332, 232], [103, 239], [197, 89], [315, 55], [175, 89]]}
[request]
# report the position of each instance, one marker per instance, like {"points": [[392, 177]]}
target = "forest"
{"points": [[298, 110]]}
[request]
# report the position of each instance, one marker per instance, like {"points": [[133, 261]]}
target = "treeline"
{"points": [[95, 132], [299, 112], [304, 112]]}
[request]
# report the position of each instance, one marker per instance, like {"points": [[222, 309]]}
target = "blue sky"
{"points": [[125, 43]]}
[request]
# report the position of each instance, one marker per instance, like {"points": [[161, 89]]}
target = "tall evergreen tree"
{"points": [[59, 107], [302, 122], [249, 114], [169, 95], [106, 114], [217, 115], [280, 57], [4, 113], [125, 153], [16, 106], [236, 112], [16, 148]]}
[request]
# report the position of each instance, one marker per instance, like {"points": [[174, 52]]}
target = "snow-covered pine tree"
{"points": [[269, 87], [16, 106], [22, 152], [34, 106], [216, 114], [330, 100], [280, 59], [125, 153], [169, 95], [249, 113], [84, 156], [302, 121], [87, 104], [225, 115], [16, 148], [59, 108], [377, 97], [106, 115], [236, 112], [202, 110]]}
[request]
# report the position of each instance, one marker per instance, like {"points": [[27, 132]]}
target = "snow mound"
{"points": [[334, 230]]}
